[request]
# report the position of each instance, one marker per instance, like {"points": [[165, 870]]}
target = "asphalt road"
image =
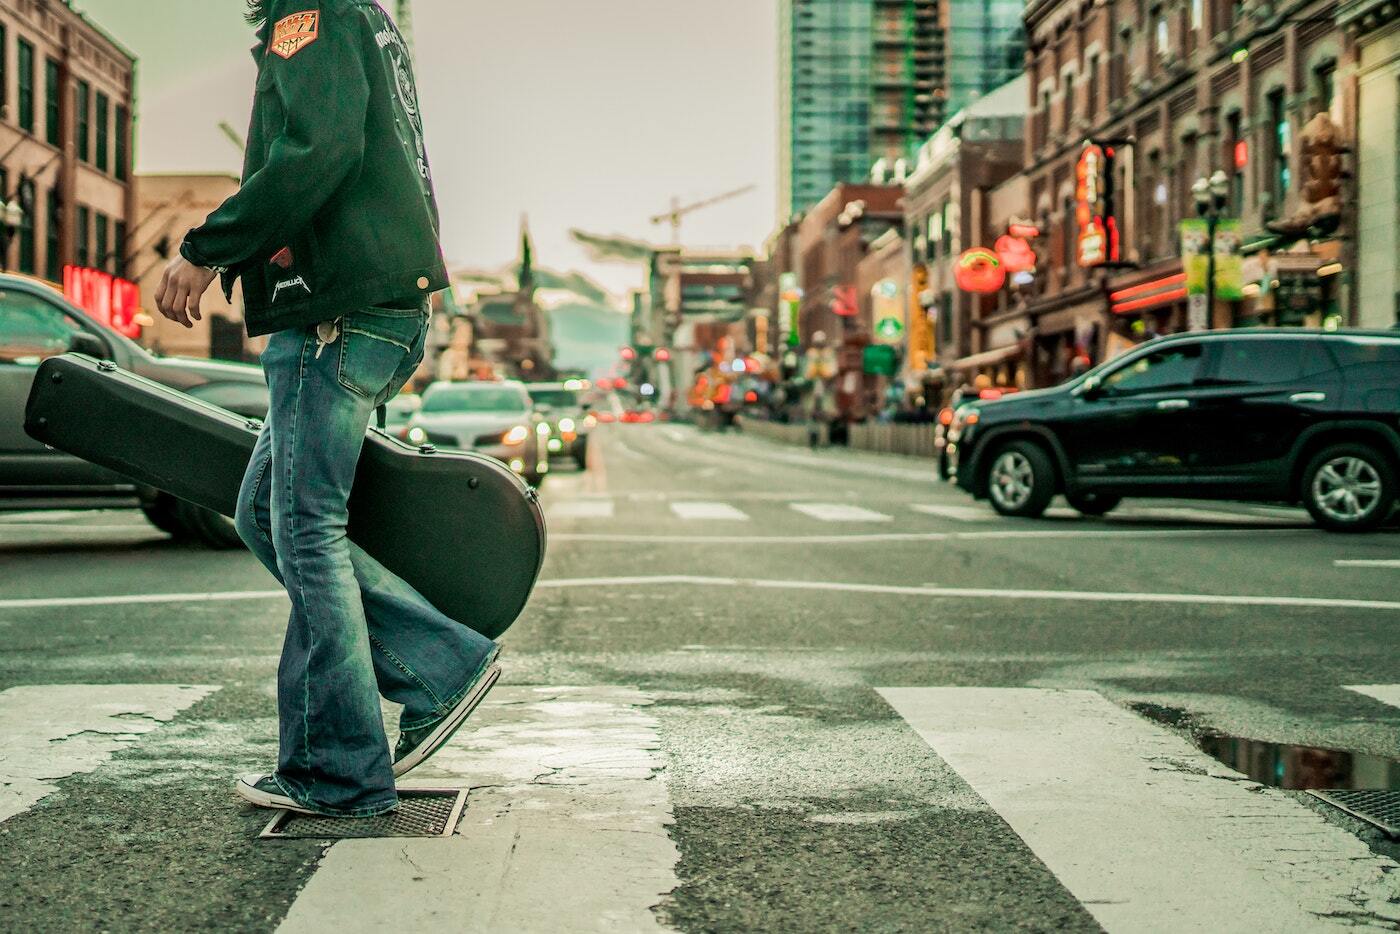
{"points": [[758, 689]]}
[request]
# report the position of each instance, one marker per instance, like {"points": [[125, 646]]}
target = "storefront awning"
{"points": [[988, 358]]}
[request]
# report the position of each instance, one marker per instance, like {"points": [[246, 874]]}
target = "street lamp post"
{"points": [[1211, 194]]}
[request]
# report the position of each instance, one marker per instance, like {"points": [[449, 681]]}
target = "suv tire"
{"points": [[1349, 488], [1093, 504], [212, 529], [1020, 480], [160, 512]]}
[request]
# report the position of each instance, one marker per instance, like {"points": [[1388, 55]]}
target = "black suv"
{"points": [[36, 322], [1277, 415]]}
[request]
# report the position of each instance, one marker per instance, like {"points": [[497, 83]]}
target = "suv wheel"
{"points": [[1093, 504], [1349, 488], [1021, 480], [161, 514], [208, 527]]}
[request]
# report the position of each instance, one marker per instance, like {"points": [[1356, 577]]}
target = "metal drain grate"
{"points": [[423, 812], [1378, 808]]}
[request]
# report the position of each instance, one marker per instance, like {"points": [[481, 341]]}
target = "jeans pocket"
{"points": [[373, 347]]}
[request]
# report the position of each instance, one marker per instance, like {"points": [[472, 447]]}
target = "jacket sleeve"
{"points": [[324, 95]]}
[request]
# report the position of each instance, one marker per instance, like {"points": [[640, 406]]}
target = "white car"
{"points": [[494, 418]]}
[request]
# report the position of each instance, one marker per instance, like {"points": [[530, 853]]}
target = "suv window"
{"points": [[1362, 351], [1169, 368], [1265, 361], [32, 329]]}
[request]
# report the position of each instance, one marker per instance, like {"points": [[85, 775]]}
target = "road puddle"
{"points": [[1283, 765]]}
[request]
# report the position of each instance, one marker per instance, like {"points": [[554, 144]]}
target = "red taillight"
{"points": [[646, 417], [604, 417], [945, 417], [990, 394]]}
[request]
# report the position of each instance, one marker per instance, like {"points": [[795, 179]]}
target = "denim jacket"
{"points": [[336, 210]]}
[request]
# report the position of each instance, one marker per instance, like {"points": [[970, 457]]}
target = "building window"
{"points": [[1236, 158], [1091, 88], [100, 243], [1069, 100], [26, 86], [84, 257], [1280, 145], [119, 249], [1043, 136], [947, 228], [1197, 11], [4, 66], [123, 130], [1325, 88], [1068, 238], [104, 115], [53, 117], [53, 267], [27, 261], [84, 128]]}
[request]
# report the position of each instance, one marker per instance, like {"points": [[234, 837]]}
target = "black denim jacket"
{"points": [[336, 210]]}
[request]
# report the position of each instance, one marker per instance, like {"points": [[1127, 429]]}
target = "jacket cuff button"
{"points": [[422, 282]]}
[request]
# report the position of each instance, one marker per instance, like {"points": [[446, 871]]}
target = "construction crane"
{"points": [[677, 212]]}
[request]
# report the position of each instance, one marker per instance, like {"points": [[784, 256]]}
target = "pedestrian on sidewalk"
{"points": [[334, 234]]}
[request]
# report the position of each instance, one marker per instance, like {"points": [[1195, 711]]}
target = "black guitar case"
{"points": [[461, 528]]}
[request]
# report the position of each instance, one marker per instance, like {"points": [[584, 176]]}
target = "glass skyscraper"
{"points": [[864, 80]]}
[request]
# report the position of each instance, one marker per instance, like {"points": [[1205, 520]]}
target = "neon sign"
{"points": [[113, 302], [1098, 232]]}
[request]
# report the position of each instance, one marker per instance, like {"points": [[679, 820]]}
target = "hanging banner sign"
{"points": [[113, 302], [1195, 261], [1229, 264], [887, 311], [1097, 242]]}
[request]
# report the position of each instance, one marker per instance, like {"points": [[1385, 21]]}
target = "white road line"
{"points": [[1367, 563], [53, 731], [565, 829], [1073, 596], [44, 516], [1385, 693], [958, 513], [840, 512], [697, 510], [881, 537], [666, 580], [1146, 831], [580, 509]]}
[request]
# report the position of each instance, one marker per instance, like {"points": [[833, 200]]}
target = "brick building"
{"points": [[1196, 86], [67, 93]]}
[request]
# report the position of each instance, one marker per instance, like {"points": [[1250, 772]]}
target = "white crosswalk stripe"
{"points": [[52, 731], [840, 512], [580, 509], [1385, 693], [1147, 832], [565, 829], [722, 511], [958, 513]]}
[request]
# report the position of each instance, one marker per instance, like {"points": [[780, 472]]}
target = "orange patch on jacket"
{"points": [[294, 33]]}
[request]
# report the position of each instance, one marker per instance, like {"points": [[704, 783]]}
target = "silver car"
{"points": [[494, 418]]}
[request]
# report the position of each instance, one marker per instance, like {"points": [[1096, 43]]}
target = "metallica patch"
{"points": [[294, 33]]}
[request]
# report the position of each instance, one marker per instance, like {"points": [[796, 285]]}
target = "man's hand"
{"points": [[180, 290]]}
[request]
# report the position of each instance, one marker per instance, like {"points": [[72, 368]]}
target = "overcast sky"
{"points": [[581, 114]]}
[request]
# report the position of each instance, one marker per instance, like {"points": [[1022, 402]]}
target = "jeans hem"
{"points": [[456, 698], [369, 810]]}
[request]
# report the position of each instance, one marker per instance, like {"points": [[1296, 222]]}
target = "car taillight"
{"points": [[945, 417]]}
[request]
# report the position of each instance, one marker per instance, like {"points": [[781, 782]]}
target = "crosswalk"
{"points": [[567, 827], [642, 508]]}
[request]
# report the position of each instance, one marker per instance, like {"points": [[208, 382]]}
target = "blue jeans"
{"points": [[356, 630]]}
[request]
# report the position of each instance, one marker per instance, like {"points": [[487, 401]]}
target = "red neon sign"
{"points": [[1098, 235], [1241, 154], [113, 302], [979, 270]]}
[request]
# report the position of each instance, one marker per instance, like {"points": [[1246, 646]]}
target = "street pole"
{"points": [[1212, 218]]}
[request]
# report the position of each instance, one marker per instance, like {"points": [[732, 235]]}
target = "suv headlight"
{"points": [[566, 424], [417, 435], [516, 435]]}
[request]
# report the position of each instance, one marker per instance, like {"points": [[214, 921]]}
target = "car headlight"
{"points": [[417, 435], [516, 435], [566, 424], [542, 428], [590, 421]]}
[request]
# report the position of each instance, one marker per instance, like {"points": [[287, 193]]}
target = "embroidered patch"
{"points": [[283, 258], [288, 284], [294, 33]]}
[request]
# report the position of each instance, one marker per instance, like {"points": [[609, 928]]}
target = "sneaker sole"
{"points": [[439, 737], [262, 799]]}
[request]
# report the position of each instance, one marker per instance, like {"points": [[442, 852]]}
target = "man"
{"points": [[334, 233]]}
